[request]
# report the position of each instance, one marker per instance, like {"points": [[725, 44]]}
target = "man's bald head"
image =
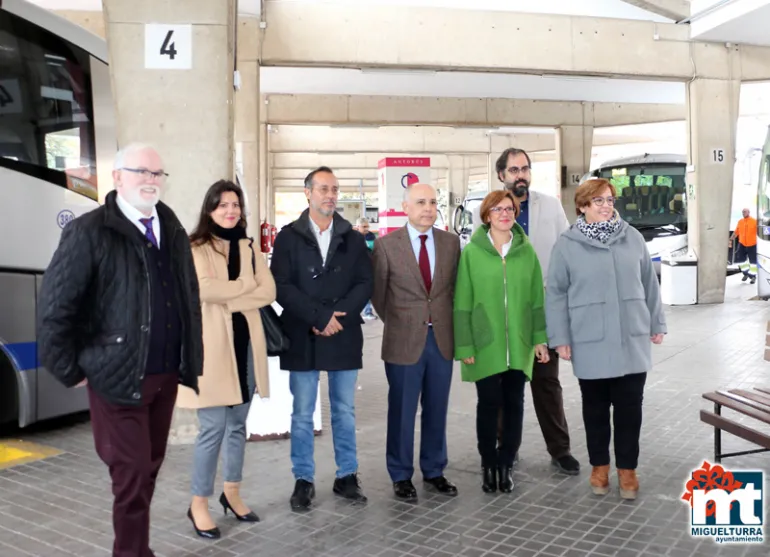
{"points": [[420, 206]]}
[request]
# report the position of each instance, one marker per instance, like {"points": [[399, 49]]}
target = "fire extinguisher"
{"points": [[273, 234], [264, 237]]}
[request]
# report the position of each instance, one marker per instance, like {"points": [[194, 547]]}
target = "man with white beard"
{"points": [[119, 313]]}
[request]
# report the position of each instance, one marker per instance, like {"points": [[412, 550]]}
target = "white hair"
{"points": [[362, 220], [408, 190], [120, 156]]}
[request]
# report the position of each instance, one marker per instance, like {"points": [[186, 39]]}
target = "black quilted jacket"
{"points": [[94, 304]]}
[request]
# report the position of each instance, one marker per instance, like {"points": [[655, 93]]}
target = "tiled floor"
{"points": [[61, 505]]}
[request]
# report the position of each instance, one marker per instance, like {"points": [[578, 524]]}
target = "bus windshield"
{"points": [[650, 196]]}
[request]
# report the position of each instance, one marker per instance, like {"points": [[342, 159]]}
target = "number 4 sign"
{"points": [[167, 47]]}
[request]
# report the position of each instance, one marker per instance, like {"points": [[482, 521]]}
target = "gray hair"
{"points": [[362, 220], [135, 147]]}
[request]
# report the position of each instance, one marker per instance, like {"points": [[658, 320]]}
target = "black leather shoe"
{"points": [[349, 487], [567, 464], [505, 479], [489, 479], [304, 492], [213, 534], [442, 485], [405, 490], [250, 517]]}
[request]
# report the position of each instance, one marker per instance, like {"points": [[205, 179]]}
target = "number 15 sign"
{"points": [[167, 47]]}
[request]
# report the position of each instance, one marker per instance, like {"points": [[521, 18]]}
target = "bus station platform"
{"points": [[55, 497]]}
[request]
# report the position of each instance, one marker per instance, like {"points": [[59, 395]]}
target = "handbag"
{"points": [[275, 338]]}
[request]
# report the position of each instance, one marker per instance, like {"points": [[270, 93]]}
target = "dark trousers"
{"points": [[428, 381], [549, 406], [625, 395], [503, 392], [131, 441]]}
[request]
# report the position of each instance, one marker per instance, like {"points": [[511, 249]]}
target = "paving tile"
{"points": [[61, 505]]}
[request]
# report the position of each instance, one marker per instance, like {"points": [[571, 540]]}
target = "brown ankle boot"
{"points": [[629, 483], [600, 481]]}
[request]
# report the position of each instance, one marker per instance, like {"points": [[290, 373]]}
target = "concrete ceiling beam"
{"points": [[553, 44], [672, 9], [446, 111]]}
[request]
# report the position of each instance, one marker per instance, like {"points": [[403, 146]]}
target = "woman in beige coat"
{"points": [[235, 283]]}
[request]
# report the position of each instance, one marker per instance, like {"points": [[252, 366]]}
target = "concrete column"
{"points": [[573, 159], [712, 121], [457, 179], [269, 187], [247, 110], [185, 109], [264, 200], [493, 182]]}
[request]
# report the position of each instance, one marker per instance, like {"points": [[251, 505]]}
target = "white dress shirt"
{"points": [[506, 246], [323, 238], [430, 245], [133, 214]]}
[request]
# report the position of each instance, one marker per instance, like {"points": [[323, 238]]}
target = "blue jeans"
{"points": [[342, 393]]}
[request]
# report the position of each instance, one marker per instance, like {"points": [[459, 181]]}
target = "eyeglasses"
{"points": [[599, 201], [147, 174], [516, 170], [502, 210]]}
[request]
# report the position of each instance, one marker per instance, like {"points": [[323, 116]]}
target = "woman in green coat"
{"points": [[499, 325]]}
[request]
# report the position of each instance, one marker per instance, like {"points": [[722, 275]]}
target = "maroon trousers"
{"points": [[131, 440]]}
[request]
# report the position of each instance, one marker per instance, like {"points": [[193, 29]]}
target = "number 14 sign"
{"points": [[167, 47]]}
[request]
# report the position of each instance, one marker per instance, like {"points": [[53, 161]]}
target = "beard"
{"points": [[135, 199], [519, 188]]}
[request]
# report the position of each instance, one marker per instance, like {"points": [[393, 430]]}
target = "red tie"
{"points": [[425, 263]]}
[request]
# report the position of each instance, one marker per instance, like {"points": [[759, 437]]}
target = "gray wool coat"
{"points": [[603, 300]]}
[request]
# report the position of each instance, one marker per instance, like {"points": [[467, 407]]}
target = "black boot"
{"points": [[489, 480], [505, 479]]}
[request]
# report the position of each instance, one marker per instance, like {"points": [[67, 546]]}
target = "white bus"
{"points": [[651, 198], [57, 140]]}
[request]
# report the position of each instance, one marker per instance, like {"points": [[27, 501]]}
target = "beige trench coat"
{"points": [[220, 298]]}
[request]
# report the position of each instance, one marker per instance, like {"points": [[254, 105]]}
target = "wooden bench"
{"points": [[754, 403]]}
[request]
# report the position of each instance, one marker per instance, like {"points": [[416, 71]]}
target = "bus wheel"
{"points": [[9, 402]]}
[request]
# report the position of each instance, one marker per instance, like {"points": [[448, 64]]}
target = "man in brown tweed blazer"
{"points": [[414, 280]]}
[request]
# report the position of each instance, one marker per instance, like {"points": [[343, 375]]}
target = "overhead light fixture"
{"points": [[569, 77], [356, 126], [396, 71]]}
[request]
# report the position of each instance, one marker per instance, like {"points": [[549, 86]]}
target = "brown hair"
{"points": [[493, 200], [590, 189], [203, 231]]}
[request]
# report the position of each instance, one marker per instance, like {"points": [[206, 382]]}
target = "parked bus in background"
{"points": [[57, 142]]}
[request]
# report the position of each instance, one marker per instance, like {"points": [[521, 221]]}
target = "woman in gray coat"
{"points": [[602, 310]]}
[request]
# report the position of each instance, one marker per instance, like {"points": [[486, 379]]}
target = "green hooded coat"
{"points": [[498, 311]]}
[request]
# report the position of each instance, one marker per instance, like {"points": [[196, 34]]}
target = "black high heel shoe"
{"points": [[213, 534], [251, 517]]}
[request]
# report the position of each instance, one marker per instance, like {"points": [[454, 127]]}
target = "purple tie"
{"points": [[148, 233]]}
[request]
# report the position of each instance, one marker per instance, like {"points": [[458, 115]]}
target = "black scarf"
{"points": [[232, 235]]}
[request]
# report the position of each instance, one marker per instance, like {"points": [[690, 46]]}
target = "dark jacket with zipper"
{"points": [[310, 292], [95, 316]]}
